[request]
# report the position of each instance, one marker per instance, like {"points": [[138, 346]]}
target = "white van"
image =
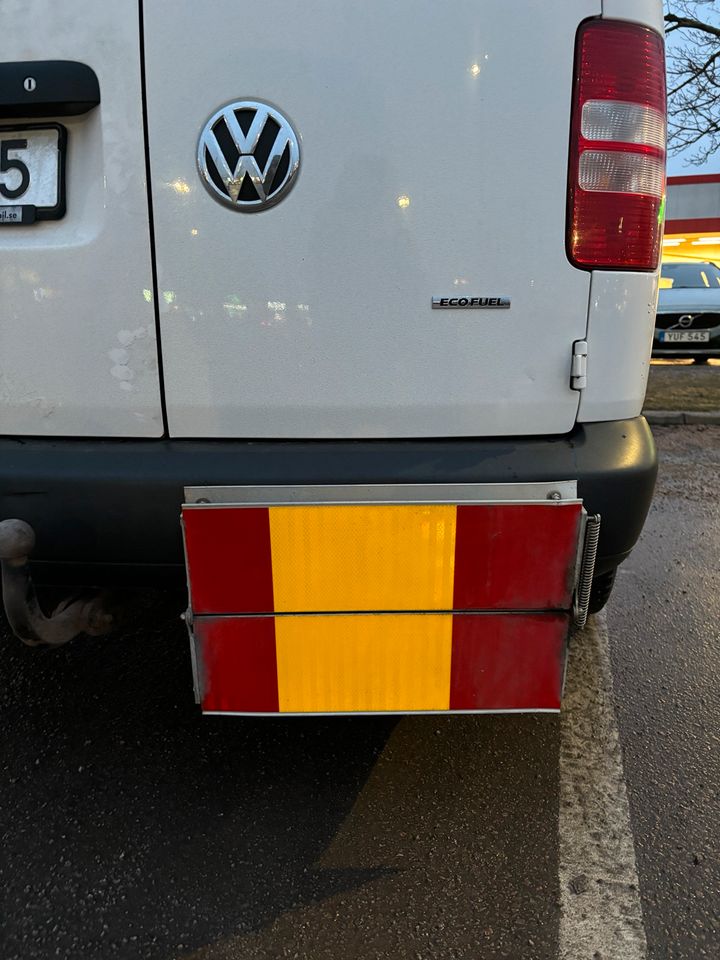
{"points": [[366, 291]]}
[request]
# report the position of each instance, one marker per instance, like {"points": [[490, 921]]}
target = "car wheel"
{"points": [[700, 360], [601, 589]]}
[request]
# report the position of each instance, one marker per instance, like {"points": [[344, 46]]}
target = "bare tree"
{"points": [[693, 52]]}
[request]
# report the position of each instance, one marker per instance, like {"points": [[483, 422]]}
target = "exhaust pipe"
{"points": [[70, 618]]}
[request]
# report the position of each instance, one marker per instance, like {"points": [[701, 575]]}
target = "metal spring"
{"points": [[587, 568]]}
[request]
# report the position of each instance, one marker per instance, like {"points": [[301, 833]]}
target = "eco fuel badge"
{"points": [[470, 303]]}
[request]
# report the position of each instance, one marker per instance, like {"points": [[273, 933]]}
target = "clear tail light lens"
{"points": [[623, 123], [617, 151], [615, 172]]}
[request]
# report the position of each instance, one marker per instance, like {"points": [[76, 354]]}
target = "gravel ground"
{"points": [[681, 385], [689, 464]]}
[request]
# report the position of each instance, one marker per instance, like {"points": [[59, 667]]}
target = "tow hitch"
{"points": [[72, 616]]}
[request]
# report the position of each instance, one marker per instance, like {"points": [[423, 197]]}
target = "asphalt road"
{"points": [[665, 643], [133, 828]]}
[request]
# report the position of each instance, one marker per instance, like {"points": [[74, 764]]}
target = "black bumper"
{"points": [[106, 509]]}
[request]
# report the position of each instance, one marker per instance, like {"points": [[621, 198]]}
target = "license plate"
{"points": [[685, 336], [32, 173]]}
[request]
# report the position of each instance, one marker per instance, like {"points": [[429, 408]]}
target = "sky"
{"points": [[679, 165]]}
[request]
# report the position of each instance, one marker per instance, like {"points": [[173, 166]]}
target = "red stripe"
{"points": [[701, 225], [507, 661], [515, 557], [237, 664], [694, 178], [229, 559]]}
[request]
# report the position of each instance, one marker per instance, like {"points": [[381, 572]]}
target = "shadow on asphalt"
{"points": [[135, 828]]}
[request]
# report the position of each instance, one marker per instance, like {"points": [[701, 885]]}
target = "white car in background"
{"points": [[688, 313]]}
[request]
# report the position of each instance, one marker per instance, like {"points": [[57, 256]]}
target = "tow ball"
{"points": [[71, 617]]}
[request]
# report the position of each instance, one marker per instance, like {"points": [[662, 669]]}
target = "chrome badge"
{"points": [[248, 155], [686, 320], [470, 303]]}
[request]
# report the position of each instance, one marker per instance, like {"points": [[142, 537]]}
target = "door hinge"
{"points": [[578, 370]]}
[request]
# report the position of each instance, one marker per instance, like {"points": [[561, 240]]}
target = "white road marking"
{"points": [[601, 913]]}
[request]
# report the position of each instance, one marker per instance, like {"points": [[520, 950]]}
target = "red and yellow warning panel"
{"points": [[353, 607]]}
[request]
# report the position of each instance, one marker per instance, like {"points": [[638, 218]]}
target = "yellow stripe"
{"points": [[363, 662], [365, 557]]}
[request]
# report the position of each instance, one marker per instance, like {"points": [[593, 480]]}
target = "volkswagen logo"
{"points": [[248, 155]]}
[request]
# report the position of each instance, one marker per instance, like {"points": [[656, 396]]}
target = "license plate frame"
{"points": [[40, 158], [685, 336]]}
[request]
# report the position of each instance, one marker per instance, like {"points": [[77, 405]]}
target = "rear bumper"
{"points": [[110, 510]]}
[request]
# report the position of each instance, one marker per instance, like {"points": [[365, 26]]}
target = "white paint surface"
{"points": [[601, 913], [621, 321], [648, 12], [69, 288]]}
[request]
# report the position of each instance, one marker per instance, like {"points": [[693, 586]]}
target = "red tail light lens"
{"points": [[617, 147]]}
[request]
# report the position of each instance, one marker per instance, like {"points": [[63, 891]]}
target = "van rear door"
{"points": [[434, 156]]}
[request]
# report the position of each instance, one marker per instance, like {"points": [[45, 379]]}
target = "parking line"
{"points": [[601, 912]]}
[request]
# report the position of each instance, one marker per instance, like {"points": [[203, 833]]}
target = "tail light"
{"points": [[617, 147]]}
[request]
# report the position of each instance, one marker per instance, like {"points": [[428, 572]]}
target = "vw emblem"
{"points": [[248, 155]]}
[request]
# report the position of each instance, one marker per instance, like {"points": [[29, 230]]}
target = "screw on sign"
{"points": [[29, 83]]}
